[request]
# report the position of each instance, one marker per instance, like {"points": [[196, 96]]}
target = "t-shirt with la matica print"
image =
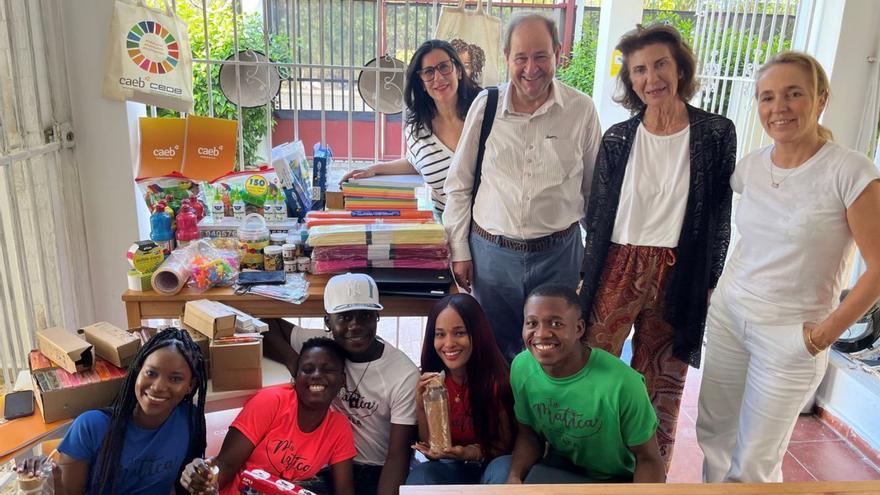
{"points": [[376, 394], [151, 459], [269, 421], [592, 417]]}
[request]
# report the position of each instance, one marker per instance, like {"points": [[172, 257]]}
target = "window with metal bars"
{"points": [[319, 48]]}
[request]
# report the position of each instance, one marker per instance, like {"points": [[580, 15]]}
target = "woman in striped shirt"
{"points": [[438, 95]]}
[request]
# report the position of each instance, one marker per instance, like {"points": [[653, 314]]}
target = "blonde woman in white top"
{"points": [[805, 202]]}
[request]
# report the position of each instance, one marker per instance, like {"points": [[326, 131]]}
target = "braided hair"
{"points": [[123, 407]]}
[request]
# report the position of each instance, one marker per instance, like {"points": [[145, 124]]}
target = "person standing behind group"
{"points": [[459, 341], [658, 223], [520, 229], [438, 94], [804, 201]]}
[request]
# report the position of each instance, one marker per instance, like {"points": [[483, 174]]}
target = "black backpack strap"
{"points": [[485, 129]]}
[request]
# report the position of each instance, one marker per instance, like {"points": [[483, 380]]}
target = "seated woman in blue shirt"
{"points": [[140, 444]]}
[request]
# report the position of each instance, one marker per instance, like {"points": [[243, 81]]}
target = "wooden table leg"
{"points": [[133, 314]]}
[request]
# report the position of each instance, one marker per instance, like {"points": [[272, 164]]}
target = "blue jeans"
{"points": [[503, 279], [540, 474], [444, 472]]}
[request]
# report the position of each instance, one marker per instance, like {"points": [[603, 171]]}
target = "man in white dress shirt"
{"points": [[535, 183]]}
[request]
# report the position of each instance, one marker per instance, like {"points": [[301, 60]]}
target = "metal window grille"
{"points": [[731, 39], [320, 47]]}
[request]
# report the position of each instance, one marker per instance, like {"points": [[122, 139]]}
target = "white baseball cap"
{"points": [[349, 292]]}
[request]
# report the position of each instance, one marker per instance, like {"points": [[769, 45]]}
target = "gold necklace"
{"points": [[773, 182]]}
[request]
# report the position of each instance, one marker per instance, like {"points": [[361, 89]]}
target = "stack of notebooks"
{"points": [[386, 192]]}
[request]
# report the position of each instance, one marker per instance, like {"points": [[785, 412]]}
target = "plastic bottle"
{"points": [[253, 237], [436, 402], [238, 208], [280, 207], [218, 209], [187, 224], [197, 206], [161, 231], [269, 208]]}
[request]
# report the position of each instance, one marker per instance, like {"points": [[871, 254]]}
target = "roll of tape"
{"points": [[145, 256], [139, 281]]}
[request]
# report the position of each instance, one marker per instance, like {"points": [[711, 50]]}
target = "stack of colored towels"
{"points": [[338, 248]]}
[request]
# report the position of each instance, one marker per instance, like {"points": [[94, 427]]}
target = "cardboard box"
{"points": [[143, 334], [65, 349], [237, 366], [203, 343], [62, 395], [112, 343], [333, 198], [209, 318]]}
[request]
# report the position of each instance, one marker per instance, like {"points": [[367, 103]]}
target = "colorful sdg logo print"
{"points": [[152, 47]]}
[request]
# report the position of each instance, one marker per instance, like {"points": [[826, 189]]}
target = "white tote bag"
{"points": [[148, 57], [476, 36]]}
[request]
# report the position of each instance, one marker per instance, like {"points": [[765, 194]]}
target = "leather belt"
{"points": [[530, 245]]}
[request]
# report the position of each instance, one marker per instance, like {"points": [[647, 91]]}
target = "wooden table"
{"points": [[21, 433], [816, 488], [152, 304]]}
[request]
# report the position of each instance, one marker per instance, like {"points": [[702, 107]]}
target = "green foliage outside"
{"points": [[580, 70], [732, 50], [220, 20]]}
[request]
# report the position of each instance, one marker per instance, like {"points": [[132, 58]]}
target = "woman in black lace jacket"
{"points": [[658, 221]]}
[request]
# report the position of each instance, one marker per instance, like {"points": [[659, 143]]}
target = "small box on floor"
{"points": [[112, 343], [209, 318], [62, 395], [65, 349], [236, 364]]}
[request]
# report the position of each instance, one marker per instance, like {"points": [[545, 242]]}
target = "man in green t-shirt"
{"points": [[589, 406]]}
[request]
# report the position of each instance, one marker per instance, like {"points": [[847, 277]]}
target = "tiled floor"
{"points": [[815, 453]]}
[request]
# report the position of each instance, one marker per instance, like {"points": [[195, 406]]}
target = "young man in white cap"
{"points": [[380, 381]]}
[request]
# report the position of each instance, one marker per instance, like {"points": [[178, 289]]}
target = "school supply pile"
{"points": [[61, 394]]}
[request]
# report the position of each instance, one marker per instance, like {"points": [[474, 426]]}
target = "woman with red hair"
{"points": [[459, 341]]}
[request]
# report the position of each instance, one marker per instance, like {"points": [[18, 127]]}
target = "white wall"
{"points": [[103, 155], [842, 35], [615, 18]]}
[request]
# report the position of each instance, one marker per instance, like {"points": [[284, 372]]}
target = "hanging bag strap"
{"points": [[485, 129]]}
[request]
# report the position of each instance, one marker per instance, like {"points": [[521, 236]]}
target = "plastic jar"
{"points": [[303, 264], [289, 252], [253, 237], [272, 258], [278, 239], [289, 266]]}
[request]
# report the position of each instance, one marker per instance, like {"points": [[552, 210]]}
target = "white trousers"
{"points": [[756, 380]]}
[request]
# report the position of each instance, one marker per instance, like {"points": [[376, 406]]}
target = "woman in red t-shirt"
{"points": [[459, 341], [287, 431]]}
